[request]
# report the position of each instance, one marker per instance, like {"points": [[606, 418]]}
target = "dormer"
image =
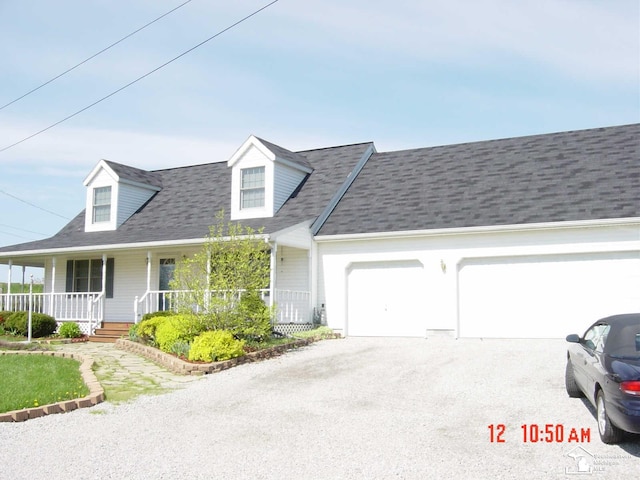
{"points": [[114, 193], [263, 178]]}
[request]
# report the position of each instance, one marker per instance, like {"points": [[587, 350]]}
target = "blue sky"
{"points": [[301, 74]]}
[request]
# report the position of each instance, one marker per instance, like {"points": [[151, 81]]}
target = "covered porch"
{"points": [[97, 288]]}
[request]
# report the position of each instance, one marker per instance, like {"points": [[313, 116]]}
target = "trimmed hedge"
{"points": [[215, 346], [41, 325]]}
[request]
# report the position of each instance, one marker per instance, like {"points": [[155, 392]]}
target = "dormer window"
{"points": [[252, 188], [101, 204]]}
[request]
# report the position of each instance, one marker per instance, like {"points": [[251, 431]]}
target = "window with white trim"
{"points": [[101, 204], [85, 276], [252, 187]]}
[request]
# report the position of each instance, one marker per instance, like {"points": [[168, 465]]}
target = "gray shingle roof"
{"points": [[286, 154], [192, 196], [579, 175], [132, 174]]}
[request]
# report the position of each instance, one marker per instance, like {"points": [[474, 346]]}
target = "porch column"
{"points": [[313, 277], [104, 273], [272, 274], [149, 271], [9, 285], [53, 285], [207, 292]]}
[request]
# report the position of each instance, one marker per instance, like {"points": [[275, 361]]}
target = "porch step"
{"points": [[110, 332]]}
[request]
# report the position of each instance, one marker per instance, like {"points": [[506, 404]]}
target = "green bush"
{"points": [[146, 330], [133, 332], [177, 328], [161, 313], [4, 315], [320, 332], [214, 346], [248, 319], [69, 330], [41, 325], [181, 349]]}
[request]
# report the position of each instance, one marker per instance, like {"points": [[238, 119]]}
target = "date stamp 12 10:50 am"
{"points": [[547, 433]]}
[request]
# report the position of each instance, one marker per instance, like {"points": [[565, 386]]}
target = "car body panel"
{"points": [[607, 354]]}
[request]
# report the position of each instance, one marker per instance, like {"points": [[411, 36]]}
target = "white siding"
{"points": [[293, 269], [130, 199], [287, 180], [602, 251]]}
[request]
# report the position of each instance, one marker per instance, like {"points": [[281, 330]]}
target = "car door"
{"points": [[588, 367]]}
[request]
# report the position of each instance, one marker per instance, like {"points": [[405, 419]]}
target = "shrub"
{"points": [[161, 313], [177, 328], [133, 332], [69, 330], [215, 345], [147, 329], [320, 332], [181, 349], [4, 315], [41, 325]]}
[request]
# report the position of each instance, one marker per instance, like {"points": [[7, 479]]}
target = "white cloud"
{"points": [[578, 38]]}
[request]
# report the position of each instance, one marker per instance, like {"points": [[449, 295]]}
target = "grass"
{"points": [[28, 381], [18, 287]]}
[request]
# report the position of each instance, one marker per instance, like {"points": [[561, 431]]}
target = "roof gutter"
{"points": [[633, 221], [111, 247]]}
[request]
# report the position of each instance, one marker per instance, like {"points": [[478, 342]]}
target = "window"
{"points": [[252, 187], [84, 276], [101, 204], [596, 336]]}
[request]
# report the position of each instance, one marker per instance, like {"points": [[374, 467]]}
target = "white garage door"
{"points": [[545, 297], [383, 299]]}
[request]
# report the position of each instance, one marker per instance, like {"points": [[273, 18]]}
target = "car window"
{"points": [[595, 337]]}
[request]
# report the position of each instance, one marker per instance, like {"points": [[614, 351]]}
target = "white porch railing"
{"points": [[87, 309], [291, 306]]}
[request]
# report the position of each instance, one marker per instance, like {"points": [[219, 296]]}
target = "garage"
{"points": [[545, 296], [383, 299]]}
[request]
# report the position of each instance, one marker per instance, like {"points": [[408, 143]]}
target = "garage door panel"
{"points": [[383, 299], [545, 297]]}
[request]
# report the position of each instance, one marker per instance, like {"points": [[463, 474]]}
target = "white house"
{"points": [[523, 237]]}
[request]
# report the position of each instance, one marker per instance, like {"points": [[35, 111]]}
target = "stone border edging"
{"points": [[179, 366], [96, 392]]}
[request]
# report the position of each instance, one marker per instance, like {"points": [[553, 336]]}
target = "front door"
{"points": [[167, 267]]}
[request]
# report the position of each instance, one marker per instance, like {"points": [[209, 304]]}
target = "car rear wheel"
{"points": [[609, 433], [570, 382]]}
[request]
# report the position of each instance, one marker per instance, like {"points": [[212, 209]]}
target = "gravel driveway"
{"points": [[357, 408]]}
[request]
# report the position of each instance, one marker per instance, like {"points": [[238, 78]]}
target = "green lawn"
{"points": [[18, 287], [32, 380]]}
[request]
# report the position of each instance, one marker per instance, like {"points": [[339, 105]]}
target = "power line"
{"points": [[139, 78], [33, 205], [22, 229], [94, 55]]}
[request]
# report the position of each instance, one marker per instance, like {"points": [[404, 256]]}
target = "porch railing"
{"points": [[291, 306], [87, 309]]}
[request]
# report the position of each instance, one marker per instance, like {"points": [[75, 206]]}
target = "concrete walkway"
{"points": [[124, 375]]}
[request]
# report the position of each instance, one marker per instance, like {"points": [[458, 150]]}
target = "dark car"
{"points": [[604, 366]]}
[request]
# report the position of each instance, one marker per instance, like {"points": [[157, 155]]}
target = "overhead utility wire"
{"points": [[33, 205], [139, 78], [21, 229], [94, 55]]}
